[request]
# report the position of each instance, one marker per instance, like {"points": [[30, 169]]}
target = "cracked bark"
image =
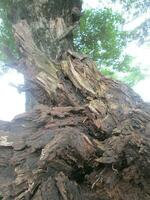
{"points": [[87, 137]]}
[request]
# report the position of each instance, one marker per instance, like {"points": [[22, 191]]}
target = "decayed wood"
{"points": [[93, 144], [87, 137], [51, 23]]}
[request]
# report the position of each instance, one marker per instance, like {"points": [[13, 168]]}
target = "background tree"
{"points": [[102, 36], [134, 9]]}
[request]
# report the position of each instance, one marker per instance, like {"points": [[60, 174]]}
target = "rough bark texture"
{"points": [[50, 23], [87, 139]]}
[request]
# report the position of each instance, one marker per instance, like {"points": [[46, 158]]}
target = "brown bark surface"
{"points": [[88, 137]]}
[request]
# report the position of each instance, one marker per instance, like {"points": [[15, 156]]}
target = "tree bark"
{"points": [[47, 27], [87, 137]]}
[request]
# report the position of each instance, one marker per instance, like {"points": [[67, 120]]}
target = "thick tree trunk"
{"points": [[88, 136], [47, 27]]}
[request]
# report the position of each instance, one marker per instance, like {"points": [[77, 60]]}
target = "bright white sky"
{"points": [[12, 103]]}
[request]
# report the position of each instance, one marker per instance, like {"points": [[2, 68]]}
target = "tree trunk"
{"points": [[87, 137], [46, 29]]}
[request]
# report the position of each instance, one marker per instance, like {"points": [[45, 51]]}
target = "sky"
{"points": [[13, 103]]}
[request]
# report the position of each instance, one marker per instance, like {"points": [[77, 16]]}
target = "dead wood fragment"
{"points": [[86, 138]]}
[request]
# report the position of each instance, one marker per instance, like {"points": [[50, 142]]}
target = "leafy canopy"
{"points": [[6, 36], [101, 35], [134, 9]]}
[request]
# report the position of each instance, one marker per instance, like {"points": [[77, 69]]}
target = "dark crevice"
{"points": [[35, 190], [97, 134], [79, 173]]}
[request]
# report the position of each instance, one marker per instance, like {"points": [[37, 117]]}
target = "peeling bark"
{"points": [[51, 23], [87, 139], [43, 27]]}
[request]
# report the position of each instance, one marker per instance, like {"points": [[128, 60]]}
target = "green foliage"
{"points": [[6, 35], [142, 32], [133, 77], [135, 9], [101, 36]]}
